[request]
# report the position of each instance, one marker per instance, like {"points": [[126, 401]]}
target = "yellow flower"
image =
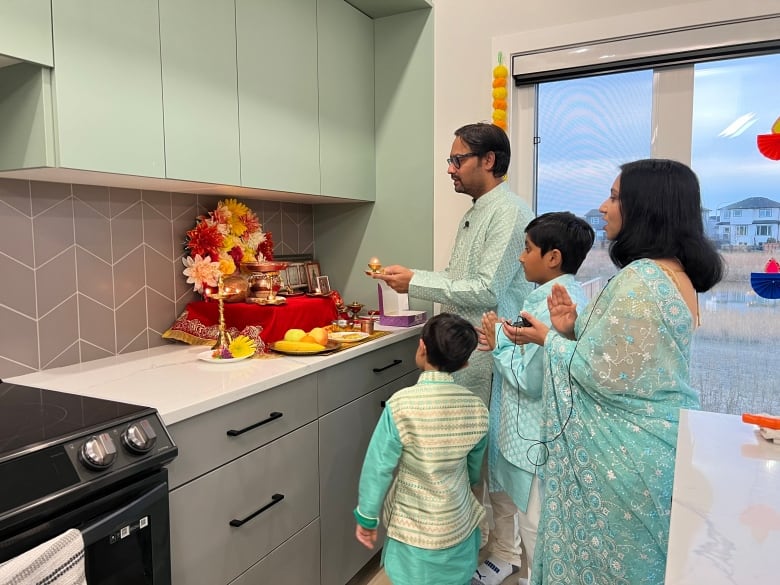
{"points": [[242, 346], [236, 210], [226, 264]]}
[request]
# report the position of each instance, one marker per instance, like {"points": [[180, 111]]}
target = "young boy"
{"points": [[555, 247], [435, 434]]}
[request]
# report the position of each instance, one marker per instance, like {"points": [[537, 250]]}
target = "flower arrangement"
{"points": [[221, 241]]}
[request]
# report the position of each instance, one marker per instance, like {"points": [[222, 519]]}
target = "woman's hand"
{"points": [[366, 536], [563, 311], [536, 332], [487, 333]]}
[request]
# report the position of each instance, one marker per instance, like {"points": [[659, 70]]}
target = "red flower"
{"points": [[252, 224], [237, 253], [205, 240], [267, 247]]}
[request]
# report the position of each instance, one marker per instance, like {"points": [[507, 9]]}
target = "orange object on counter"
{"points": [[768, 422]]}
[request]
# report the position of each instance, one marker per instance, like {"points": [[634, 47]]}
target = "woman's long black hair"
{"points": [[660, 204]]}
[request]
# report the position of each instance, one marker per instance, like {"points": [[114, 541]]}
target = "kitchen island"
{"points": [[270, 451], [725, 525]]}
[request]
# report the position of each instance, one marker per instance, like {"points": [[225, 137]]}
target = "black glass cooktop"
{"points": [[31, 416]]}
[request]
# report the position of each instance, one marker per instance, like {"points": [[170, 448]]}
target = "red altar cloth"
{"points": [[297, 313]]}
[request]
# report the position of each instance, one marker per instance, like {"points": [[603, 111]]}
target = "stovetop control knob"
{"points": [[139, 437], [98, 452]]}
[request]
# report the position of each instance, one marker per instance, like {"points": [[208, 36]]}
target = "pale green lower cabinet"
{"points": [[301, 469]]}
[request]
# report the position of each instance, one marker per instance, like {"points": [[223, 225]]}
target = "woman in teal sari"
{"points": [[616, 378]]}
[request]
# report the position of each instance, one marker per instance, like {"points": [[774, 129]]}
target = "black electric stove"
{"points": [[58, 448]]}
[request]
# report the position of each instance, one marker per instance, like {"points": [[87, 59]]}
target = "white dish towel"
{"points": [[59, 561]]}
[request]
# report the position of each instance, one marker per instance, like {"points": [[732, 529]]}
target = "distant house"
{"points": [[751, 222], [596, 221]]}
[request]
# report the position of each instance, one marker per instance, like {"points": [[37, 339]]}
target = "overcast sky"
{"points": [[589, 126]]}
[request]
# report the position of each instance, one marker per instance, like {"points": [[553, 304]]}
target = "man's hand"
{"points": [[366, 536], [397, 277]]}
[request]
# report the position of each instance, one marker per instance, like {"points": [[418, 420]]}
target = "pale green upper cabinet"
{"points": [[277, 94], [26, 123], [25, 30], [199, 78], [346, 76], [107, 86]]}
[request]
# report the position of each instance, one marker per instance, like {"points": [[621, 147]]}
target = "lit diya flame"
{"points": [[374, 264]]}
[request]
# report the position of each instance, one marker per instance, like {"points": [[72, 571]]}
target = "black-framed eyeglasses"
{"points": [[456, 159]]}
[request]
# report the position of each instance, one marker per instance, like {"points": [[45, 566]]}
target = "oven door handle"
{"points": [[104, 526]]}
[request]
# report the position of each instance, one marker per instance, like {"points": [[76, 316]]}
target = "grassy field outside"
{"points": [[735, 350]]}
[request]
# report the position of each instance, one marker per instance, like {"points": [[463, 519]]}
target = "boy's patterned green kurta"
{"points": [[439, 426], [484, 274], [435, 433]]}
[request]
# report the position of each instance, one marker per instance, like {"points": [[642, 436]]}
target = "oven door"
{"points": [[126, 534]]}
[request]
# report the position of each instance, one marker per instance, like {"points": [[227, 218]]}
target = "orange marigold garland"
{"points": [[500, 75]]}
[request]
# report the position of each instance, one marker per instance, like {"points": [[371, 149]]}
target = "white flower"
{"points": [[201, 271]]}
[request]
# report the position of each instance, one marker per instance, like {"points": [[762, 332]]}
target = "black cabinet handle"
{"points": [[273, 416], [275, 499], [395, 363]]}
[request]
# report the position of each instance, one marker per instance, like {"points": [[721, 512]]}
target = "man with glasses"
{"points": [[483, 274]]}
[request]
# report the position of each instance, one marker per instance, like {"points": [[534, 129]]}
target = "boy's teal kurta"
{"points": [[483, 274], [521, 368]]}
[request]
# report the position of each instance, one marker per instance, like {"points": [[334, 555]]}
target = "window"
{"points": [[587, 126]]}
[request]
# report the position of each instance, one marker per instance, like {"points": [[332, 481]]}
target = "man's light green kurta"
{"points": [[484, 274]]}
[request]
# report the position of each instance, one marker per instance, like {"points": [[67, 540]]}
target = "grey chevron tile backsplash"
{"points": [[92, 271]]}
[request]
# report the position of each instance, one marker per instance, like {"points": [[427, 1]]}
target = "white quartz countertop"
{"points": [[725, 525], [173, 380]]}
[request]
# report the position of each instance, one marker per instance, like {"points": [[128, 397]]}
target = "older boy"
{"points": [[555, 247]]}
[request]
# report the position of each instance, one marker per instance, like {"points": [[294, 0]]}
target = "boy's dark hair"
{"points": [[483, 138], [660, 205], [449, 341], [564, 231]]}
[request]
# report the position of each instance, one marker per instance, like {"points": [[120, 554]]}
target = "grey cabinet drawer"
{"points": [[344, 437], [204, 442], [205, 548], [296, 562], [352, 379]]}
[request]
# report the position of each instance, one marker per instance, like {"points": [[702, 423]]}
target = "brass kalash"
{"points": [[264, 282]]}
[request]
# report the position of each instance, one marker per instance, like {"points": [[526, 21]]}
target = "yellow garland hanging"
{"points": [[500, 74]]}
